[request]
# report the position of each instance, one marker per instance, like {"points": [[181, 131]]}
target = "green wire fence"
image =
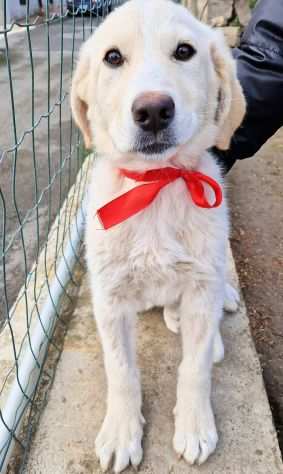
{"points": [[43, 176]]}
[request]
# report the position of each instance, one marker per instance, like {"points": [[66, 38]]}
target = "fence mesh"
{"points": [[43, 173]]}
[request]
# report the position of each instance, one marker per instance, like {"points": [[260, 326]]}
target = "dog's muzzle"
{"points": [[153, 113]]}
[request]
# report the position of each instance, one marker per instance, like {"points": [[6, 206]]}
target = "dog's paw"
{"points": [[171, 318], [231, 299], [195, 432], [218, 348], [120, 437]]}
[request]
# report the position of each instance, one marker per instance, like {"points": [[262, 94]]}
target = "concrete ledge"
{"points": [[32, 319], [64, 442], [34, 293]]}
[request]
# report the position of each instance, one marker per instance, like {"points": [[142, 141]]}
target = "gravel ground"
{"points": [[256, 196]]}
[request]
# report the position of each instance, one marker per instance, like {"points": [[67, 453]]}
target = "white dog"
{"points": [[155, 89]]}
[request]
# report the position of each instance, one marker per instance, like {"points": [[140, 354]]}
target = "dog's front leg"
{"points": [[195, 432], [121, 432]]}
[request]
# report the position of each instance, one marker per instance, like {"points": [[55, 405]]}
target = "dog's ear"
{"points": [[79, 96], [232, 104]]}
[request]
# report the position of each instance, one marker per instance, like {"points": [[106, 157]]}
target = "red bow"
{"points": [[138, 198]]}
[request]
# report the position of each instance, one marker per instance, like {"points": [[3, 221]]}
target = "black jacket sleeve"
{"points": [[259, 60]]}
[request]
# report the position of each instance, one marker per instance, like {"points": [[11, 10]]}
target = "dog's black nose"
{"points": [[153, 111]]}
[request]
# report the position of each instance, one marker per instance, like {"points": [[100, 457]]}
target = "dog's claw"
{"points": [[120, 436], [232, 299], [172, 319], [195, 433]]}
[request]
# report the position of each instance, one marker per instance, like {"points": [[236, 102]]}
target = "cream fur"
{"points": [[172, 254]]}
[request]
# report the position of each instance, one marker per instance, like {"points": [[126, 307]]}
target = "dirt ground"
{"points": [[256, 197]]}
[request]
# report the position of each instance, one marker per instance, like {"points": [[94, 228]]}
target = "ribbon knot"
{"points": [[138, 198]]}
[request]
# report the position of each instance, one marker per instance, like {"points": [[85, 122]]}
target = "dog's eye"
{"points": [[184, 52], [114, 58]]}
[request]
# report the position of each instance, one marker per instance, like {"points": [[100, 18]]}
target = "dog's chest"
{"points": [[161, 239], [163, 244], [159, 265]]}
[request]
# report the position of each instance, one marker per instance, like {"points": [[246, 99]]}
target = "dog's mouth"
{"points": [[156, 146]]}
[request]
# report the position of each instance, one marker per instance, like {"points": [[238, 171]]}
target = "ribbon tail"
{"points": [[197, 191], [129, 204]]}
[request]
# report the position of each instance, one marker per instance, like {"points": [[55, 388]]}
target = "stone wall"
{"points": [[220, 12]]}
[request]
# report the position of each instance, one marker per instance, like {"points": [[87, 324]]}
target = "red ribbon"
{"points": [[138, 198]]}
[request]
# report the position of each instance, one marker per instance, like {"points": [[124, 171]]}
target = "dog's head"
{"points": [[153, 80]]}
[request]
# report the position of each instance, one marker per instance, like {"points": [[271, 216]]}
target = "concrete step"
{"points": [[64, 441]]}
